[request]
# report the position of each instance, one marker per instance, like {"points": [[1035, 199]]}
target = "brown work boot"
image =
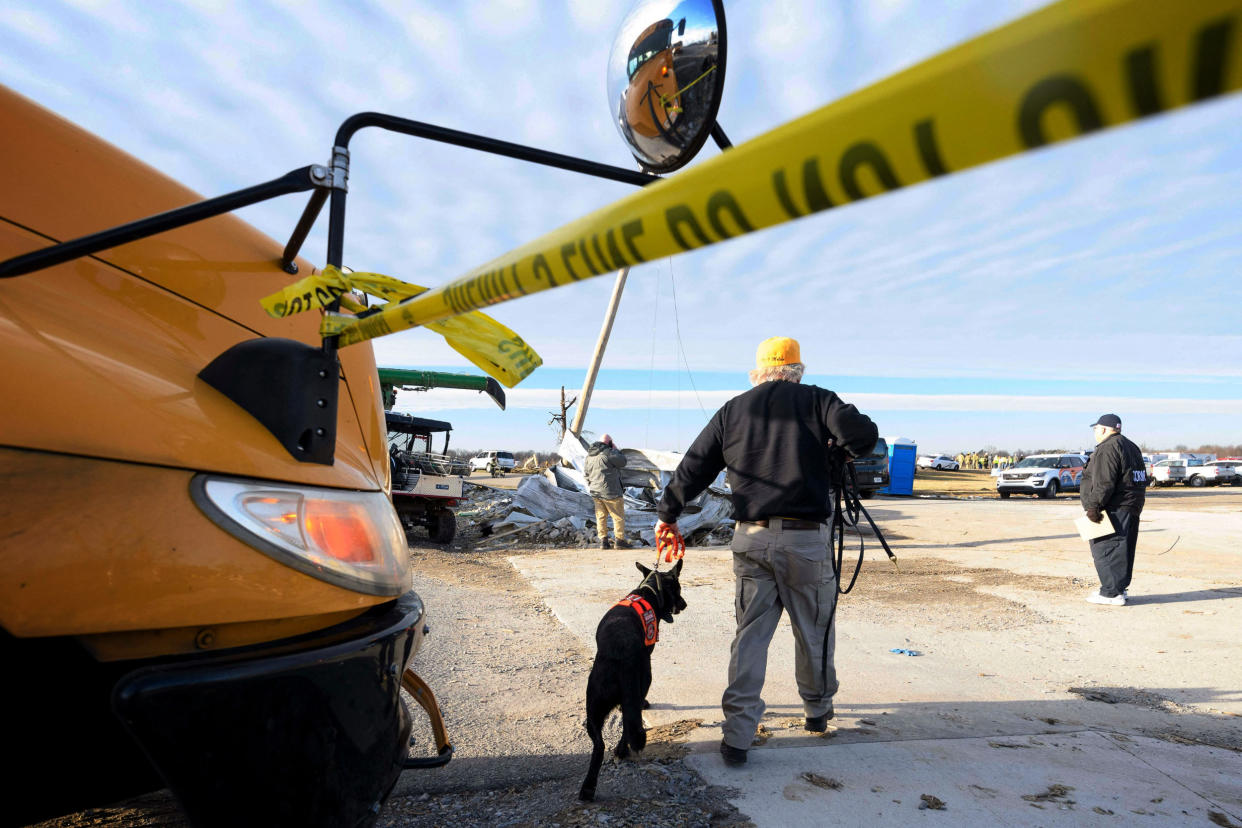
{"points": [[604, 543], [622, 543]]}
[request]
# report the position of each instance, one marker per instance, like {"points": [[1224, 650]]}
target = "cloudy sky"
{"points": [[1009, 305]]}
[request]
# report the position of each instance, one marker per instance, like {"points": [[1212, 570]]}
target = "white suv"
{"points": [[503, 459], [1042, 474]]}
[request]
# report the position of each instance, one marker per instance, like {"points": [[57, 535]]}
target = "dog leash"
{"points": [[846, 504], [670, 545], [847, 508]]}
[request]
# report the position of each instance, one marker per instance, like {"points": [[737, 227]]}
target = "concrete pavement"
{"points": [[1066, 779], [1022, 685]]}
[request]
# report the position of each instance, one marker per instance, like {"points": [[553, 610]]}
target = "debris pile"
{"points": [[554, 507]]}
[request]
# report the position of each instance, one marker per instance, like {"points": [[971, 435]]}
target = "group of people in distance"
{"points": [[984, 460]]}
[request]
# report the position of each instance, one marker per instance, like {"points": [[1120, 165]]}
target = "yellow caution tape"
{"points": [[665, 99], [1068, 69], [321, 289], [491, 346]]}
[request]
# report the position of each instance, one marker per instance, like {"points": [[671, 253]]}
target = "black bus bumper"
{"points": [[307, 731]]}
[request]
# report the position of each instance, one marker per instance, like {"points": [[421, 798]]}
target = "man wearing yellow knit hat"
{"points": [[775, 440]]}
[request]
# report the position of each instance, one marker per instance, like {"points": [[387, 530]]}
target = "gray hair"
{"points": [[789, 373]]}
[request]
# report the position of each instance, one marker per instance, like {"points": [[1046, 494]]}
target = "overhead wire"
{"points": [[681, 345], [655, 329]]}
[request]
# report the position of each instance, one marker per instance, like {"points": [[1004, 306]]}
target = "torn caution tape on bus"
{"points": [[491, 346]]}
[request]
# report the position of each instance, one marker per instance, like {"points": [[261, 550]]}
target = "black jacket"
{"points": [[774, 441], [1115, 477]]}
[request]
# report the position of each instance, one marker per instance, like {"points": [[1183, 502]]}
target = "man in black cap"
{"points": [[1114, 486]]}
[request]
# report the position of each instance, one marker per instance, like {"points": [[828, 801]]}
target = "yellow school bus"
{"points": [[184, 603], [651, 104]]}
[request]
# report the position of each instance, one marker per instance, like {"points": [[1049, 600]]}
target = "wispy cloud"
{"points": [[1111, 258]]}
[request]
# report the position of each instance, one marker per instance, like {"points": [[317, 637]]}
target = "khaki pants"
{"points": [[604, 508], [777, 570]]}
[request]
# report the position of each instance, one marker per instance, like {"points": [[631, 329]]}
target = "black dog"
{"points": [[621, 674]]}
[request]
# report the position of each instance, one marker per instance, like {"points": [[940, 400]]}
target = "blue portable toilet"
{"points": [[902, 452]]}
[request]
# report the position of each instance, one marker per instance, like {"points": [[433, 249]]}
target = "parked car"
{"points": [[503, 461], [1215, 473], [1167, 472], [872, 471], [937, 461], [1043, 475]]}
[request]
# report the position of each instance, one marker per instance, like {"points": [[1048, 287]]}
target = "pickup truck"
{"points": [[1167, 472], [1213, 473]]}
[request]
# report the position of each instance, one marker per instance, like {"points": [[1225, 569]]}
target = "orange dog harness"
{"points": [[651, 624]]}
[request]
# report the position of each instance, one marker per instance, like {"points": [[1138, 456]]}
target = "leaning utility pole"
{"points": [[598, 357]]}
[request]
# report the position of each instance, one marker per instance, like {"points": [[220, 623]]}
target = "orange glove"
{"points": [[669, 544]]}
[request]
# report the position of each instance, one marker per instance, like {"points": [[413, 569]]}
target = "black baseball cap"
{"points": [[1110, 420]]}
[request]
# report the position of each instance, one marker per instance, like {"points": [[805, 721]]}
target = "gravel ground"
{"points": [[511, 681]]}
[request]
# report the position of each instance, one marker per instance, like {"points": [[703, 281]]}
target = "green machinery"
{"points": [[393, 380], [426, 485]]}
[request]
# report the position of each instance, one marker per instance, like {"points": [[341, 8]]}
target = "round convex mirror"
{"points": [[665, 79]]}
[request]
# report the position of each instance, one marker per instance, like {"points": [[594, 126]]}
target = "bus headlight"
{"points": [[347, 538]]}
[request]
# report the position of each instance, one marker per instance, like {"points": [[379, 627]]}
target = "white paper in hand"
{"points": [[1091, 531]]}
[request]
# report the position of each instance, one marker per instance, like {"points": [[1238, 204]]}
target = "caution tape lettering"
{"points": [[484, 341], [1069, 69]]}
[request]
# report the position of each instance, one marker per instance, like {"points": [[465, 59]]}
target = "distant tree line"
{"points": [[1220, 450]]}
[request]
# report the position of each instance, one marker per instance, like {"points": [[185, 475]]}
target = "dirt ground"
{"points": [[510, 678]]}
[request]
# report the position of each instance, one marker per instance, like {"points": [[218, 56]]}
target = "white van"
{"points": [[503, 459]]}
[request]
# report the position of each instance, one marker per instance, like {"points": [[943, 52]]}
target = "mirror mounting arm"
{"points": [[469, 140], [299, 180], [718, 135], [340, 172]]}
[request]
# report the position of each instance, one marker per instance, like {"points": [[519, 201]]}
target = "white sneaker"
{"points": [[1097, 598]]}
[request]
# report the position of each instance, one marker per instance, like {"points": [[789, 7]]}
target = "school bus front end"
{"points": [[184, 601]]}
